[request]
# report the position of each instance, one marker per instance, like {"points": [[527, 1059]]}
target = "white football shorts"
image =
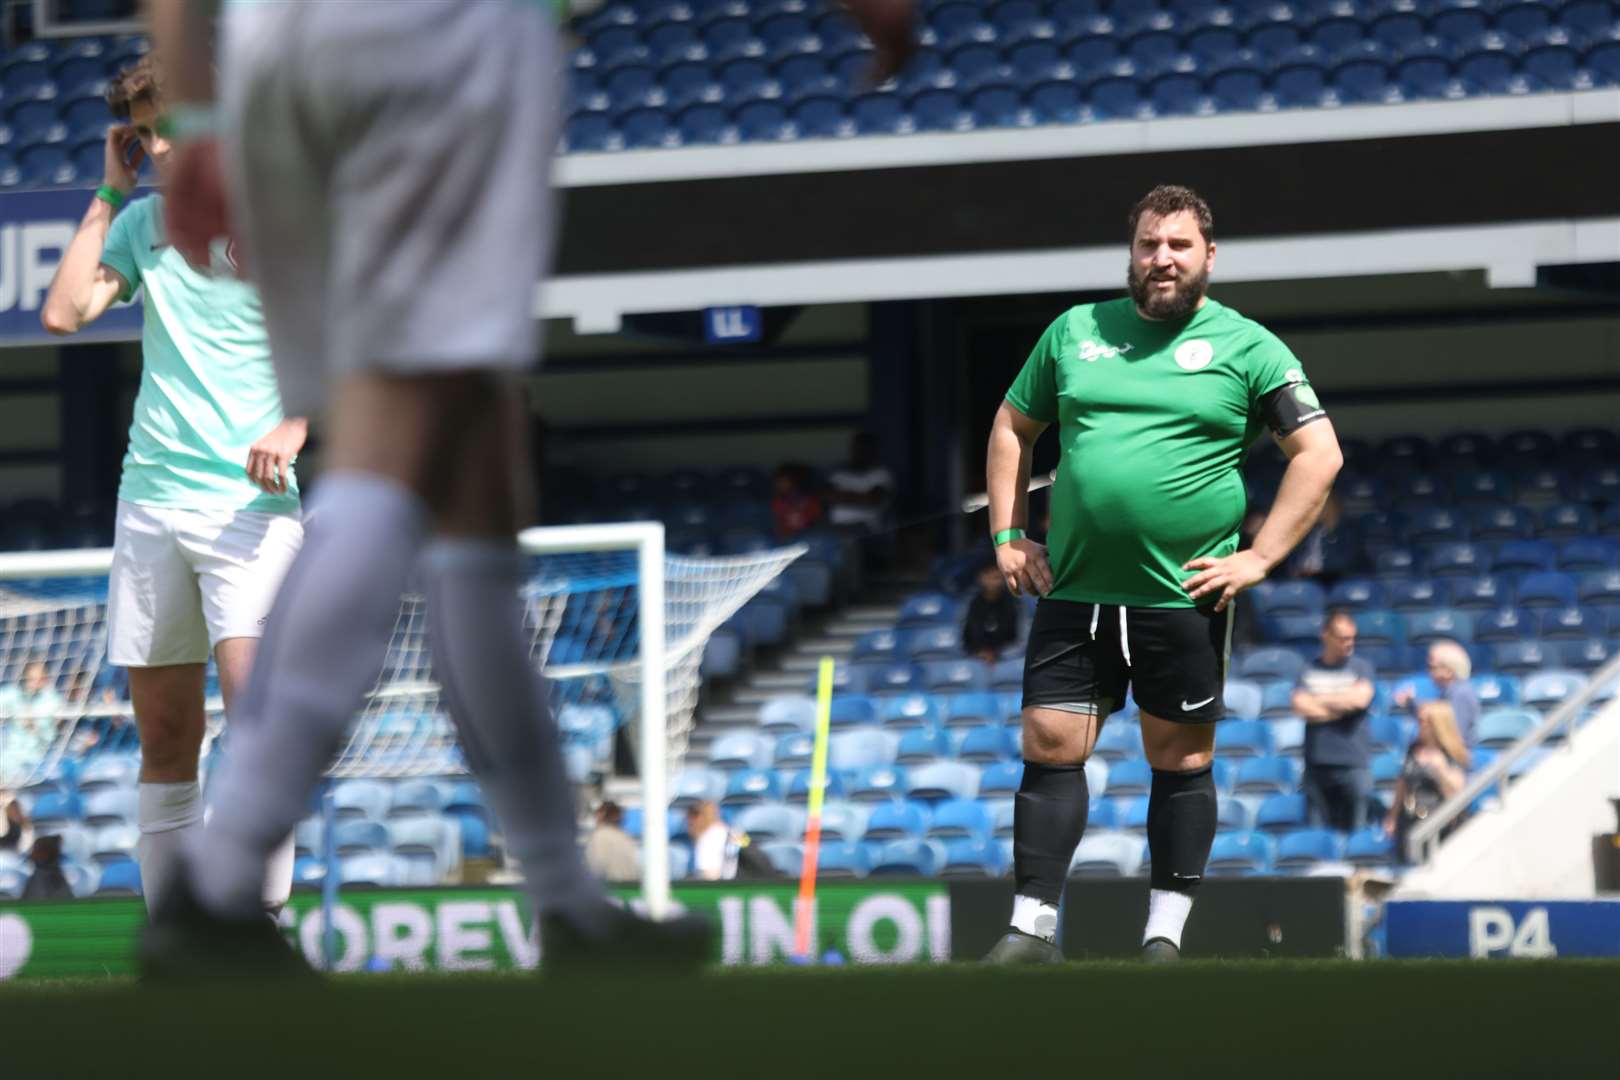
{"points": [[182, 581], [391, 167]]}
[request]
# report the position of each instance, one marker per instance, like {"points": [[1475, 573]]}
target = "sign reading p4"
{"points": [[1497, 929]]}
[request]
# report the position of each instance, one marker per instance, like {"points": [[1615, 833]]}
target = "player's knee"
{"points": [[1180, 754], [1051, 738]]}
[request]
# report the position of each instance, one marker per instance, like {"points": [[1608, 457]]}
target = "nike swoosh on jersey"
{"points": [[1196, 705]]}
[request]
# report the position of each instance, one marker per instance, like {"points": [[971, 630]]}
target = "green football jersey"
{"points": [[1154, 420]]}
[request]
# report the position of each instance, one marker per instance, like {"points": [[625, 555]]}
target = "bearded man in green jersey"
{"points": [[1157, 398]]}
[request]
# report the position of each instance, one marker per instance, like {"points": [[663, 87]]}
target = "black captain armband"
{"points": [[1290, 407]]}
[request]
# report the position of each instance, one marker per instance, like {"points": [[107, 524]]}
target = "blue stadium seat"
{"points": [[938, 110], [1236, 740], [749, 786], [1007, 674], [908, 858], [763, 122], [842, 859], [1242, 699], [1433, 524], [935, 642], [1464, 29], [1273, 41], [710, 125], [358, 836], [744, 80], [843, 820], [1288, 736], [988, 744], [922, 745], [955, 675], [1154, 53], [1500, 522], [1298, 631], [1518, 657], [961, 818], [1524, 556], [1584, 655], [943, 780], [893, 678], [1572, 623], [1300, 86], [1094, 56], [879, 114], [1490, 72], [646, 129], [1566, 521], [1001, 810], [361, 799], [1107, 854], [740, 750], [1037, 62], [853, 710], [927, 609], [807, 76], [1424, 627], [416, 798], [880, 645], [1241, 853], [1131, 777], [788, 714], [697, 785], [1132, 811], [958, 24], [1370, 847], [1504, 624], [896, 820], [1499, 728], [1281, 813], [997, 106], [798, 785], [1337, 38], [966, 857], [1271, 663], [1240, 90], [860, 748], [1388, 732], [1001, 778], [1214, 47], [1115, 98], [878, 783], [114, 843], [1377, 627], [1277, 699], [1020, 20], [1118, 741], [1545, 689], [1493, 689], [910, 711], [1295, 598], [1600, 590], [731, 39], [119, 879], [978, 66], [1056, 103], [1266, 775], [1426, 78], [1304, 848], [792, 750], [1546, 589], [1397, 562]]}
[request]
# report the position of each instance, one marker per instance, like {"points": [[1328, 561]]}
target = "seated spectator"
{"points": [[1436, 768], [1449, 668], [15, 831], [714, 850], [1333, 694], [47, 882], [28, 715], [610, 852], [992, 617], [1328, 551], [793, 508]]}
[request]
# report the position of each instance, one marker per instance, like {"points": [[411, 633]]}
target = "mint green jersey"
{"points": [[1154, 420], [207, 391]]}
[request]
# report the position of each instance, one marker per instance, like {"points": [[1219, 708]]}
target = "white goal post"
{"points": [[615, 622]]}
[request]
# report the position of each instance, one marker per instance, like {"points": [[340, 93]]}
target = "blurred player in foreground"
{"points": [[391, 168], [208, 516], [1157, 397]]}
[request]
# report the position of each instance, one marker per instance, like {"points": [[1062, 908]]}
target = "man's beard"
{"points": [[1179, 304]]}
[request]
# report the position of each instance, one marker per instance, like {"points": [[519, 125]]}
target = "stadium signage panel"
{"points": [[491, 929], [1502, 929], [733, 325], [35, 230]]}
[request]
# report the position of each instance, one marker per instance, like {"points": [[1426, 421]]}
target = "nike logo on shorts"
{"points": [[1197, 704]]}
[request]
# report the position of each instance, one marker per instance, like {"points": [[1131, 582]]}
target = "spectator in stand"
{"points": [[47, 882], [1436, 768], [992, 616], [858, 496], [1328, 551], [28, 713], [1449, 668], [793, 508], [1333, 694], [610, 853], [714, 852], [15, 831]]}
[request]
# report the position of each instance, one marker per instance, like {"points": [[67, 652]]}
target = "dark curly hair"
{"points": [[1167, 199], [138, 82]]}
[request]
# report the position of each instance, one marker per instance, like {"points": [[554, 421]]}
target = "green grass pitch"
{"points": [[1103, 1020]]}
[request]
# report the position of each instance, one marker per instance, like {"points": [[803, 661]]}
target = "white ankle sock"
{"points": [[498, 702], [1167, 914], [1035, 917], [166, 814], [278, 875], [321, 651]]}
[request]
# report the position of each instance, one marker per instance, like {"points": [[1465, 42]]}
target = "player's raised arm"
{"points": [[1006, 482], [84, 287]]}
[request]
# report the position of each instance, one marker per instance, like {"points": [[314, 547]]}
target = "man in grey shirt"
{"points": [[1333, 694]]}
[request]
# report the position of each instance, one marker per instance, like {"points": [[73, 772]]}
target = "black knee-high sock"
{"points": [[1181, 827], [1049, 817]]}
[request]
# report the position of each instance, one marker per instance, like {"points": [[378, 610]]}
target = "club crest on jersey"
{"points": [[1091, 351], [1194, 355]]}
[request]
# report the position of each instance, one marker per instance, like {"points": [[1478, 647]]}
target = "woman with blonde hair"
{"points": [[1436, 768]]}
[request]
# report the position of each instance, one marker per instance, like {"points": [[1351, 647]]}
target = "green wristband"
{"points": [[1007, 536], [111, 196]]}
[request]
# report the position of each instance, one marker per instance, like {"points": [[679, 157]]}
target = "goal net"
{"points": [[617, 626]]}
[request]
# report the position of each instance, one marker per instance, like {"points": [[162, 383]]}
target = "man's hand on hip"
{"points": [[1024, 567], [1224, 578]]}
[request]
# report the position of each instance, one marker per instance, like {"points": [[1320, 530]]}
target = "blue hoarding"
{"points": [[35, 230], [1502, 928]]}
